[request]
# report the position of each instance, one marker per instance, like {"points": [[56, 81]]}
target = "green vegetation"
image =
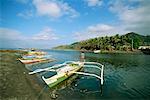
{"points": [[117, 42]]}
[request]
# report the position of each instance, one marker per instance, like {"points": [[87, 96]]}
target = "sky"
{"points": [[49, 23]]}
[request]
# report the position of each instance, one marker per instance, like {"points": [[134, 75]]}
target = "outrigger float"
{"points": [[63, 71]]}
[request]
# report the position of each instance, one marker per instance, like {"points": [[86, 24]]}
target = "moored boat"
{"points": [[145, 49], [34, 57], [97, 51], [60, 72], [64, 72], [31, 61]]}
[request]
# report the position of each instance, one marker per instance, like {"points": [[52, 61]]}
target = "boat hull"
{"points": [[34, 61], [61, 79], [57, 82]]}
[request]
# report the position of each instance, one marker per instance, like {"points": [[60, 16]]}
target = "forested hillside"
{"points": [[117, 42]]}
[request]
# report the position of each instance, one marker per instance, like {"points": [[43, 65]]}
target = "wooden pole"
{"points": [[132, 44]]}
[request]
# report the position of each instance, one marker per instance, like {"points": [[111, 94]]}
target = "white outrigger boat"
{"points": [[97, 51], [33, 59], [68, 68]]}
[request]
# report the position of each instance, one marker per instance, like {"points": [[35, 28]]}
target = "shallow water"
{"points": [[125, 76]]}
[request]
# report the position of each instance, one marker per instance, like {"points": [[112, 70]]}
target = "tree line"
{"points": [[125, 42]]}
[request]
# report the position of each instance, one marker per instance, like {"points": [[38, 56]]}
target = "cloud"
{"points": [[48, 8], [26, 14], [99, 30], [92, 3], [45, 34], [10, 38], [53, 8], [11, 34], [133, 17], [83, 35]]}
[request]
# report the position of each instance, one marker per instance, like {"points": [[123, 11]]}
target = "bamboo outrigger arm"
{"points": [[94, 75], [101, 69], [82, 73]]}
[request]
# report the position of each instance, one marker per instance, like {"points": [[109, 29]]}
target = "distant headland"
{"points": [[129, 42]]}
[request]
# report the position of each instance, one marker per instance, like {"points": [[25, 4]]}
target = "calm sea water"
{"points": [[126, 76]]}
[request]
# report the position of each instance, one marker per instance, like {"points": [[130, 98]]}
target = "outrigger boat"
{"points": [[97, 51], [37, 60], [35, 57], [67, 69]]}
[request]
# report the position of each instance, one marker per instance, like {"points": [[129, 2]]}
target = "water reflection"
{"points": [[125, 76]]}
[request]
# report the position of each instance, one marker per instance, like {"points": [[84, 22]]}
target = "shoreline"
{"points": [[14, 77], [89, 51], [104, 51], [122, 52]]}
